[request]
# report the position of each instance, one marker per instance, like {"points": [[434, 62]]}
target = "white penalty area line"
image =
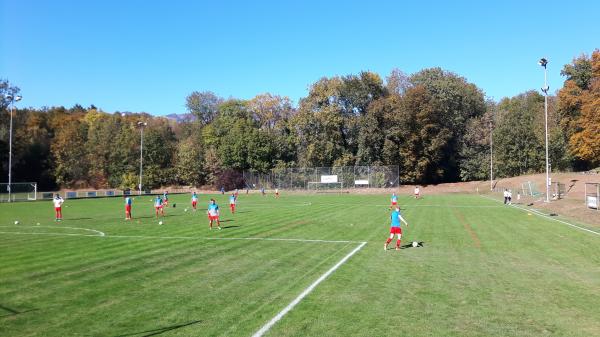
{"points": [[304, 293], [543, 215]]}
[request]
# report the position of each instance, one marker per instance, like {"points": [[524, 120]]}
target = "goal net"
{"points": [[322, 187], [18, 191]]}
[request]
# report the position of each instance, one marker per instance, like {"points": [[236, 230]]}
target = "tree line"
{"points": [[434, 124]]}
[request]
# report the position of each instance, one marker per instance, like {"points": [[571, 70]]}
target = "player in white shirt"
{"points": [[58, 201], [505, 196], [417, 192]]}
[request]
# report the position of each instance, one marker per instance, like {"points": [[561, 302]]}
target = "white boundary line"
{"points": [[543, 215], [78, 228], [304, 293], [103, 235]]}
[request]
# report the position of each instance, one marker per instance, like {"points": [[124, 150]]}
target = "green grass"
{"points": [[485, 270]]}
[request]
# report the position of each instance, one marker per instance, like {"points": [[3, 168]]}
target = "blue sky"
{"points": [[148, 56]]}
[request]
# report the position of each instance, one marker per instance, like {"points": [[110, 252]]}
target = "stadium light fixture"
{"points": [[544, 63], [141, 125], [12, 99]]}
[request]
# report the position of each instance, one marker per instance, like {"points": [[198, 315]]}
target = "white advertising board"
{"points": [[361, 182], [329, 179], [592, 202]]}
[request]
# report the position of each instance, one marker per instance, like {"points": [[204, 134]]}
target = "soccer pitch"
{"points": [[485, 269]]}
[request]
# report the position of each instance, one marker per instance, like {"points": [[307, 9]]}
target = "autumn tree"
{"points": [[585, 141]]}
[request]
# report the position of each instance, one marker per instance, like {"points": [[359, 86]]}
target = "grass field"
{"points": [[485, 269]]}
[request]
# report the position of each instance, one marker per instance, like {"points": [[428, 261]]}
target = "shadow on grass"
{"points": [[231, 226], [13, 312], [159, 331], [409, 245]]}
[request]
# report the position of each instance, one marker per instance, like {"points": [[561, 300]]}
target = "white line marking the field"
{"points": [[405, 206], [217, 238], [103, 235], [543, 215], [304, 293], [76, 228]]}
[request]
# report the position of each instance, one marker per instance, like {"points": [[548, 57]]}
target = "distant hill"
{"points": [[180, 118]]}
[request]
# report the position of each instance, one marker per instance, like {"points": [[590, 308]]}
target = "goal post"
{"points": [[18, 192], [321, 187]]}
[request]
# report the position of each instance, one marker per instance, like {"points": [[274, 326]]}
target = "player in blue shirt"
{"points": [[165, 198], [128, 203], [213, 214], [158, 206], [194, 200], [395, 228], [394, 200], [232, 201]]}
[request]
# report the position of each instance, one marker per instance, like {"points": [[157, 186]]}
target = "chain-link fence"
{"points": [[319, 178]]}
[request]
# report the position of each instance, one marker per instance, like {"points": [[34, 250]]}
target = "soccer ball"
{"points": [[415, 244], [16, 222], [185, 210], [160, 222]]}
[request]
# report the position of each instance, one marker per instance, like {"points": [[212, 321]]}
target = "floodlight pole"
{"points": [[491, 157], [141, 125], [544, 62], [12, 99]]}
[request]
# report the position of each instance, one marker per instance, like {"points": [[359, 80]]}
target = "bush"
{"points": [[229, 179]]}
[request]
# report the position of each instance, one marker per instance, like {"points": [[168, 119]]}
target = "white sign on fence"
{"points": [[361, 182], [329, 179], [592, 202]]}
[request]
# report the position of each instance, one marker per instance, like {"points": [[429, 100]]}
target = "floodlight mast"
{"points": [[491, 156], [141, 125], [12, 99], [544, 62]]}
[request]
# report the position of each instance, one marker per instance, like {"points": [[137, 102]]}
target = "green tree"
{"points": [[68, 149], [518, 139], [457, 102], [319, 124], [189, 160], [159, 146], [204, 105], [418, 139]]}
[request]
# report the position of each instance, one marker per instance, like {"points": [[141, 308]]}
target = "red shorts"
{"points": [[213, 217], [158, 207], [127, 208], [194, 203], [57, 209], [394, 203], [395, 230]]}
